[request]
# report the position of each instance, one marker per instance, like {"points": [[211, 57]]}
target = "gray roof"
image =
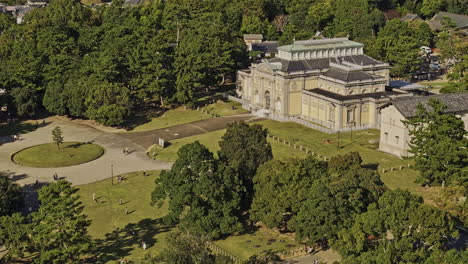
{"points": [[410, 17], [455, 102], [253, 37], [267, 46], [340, 97], [350, 75], [133, 2], [320, 44], [322, 63], [461, 21]]}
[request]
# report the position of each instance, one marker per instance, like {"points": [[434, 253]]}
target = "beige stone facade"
{"points": [[328, 82]]}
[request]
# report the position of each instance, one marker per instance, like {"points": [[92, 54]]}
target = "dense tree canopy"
{"points": [[331, 203], [61, 235], [56, 233], [398, 228], [106, 62], [203, 194], [281, 187], [186, 248], [244, 148], [11, 196], [312, 198]]}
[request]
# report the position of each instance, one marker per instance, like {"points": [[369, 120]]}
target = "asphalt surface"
{"points": [[148, 138]]}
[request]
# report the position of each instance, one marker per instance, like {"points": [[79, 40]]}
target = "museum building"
{"points": [[328, 83]]}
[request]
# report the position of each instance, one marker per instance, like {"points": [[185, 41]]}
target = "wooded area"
{"points": [[106, 62]]}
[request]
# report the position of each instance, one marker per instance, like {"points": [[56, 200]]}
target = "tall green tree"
{"points": [[244, 148], [398, 44], [203, 195], [290, 181], [60, 233], [398, 228], [438, 143], [57, 136], [14, 235], [333, 201], [11, 196]]}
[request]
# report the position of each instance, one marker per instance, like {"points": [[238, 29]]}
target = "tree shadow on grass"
{"points": [[76, 145], [120, 242], [372, 166], [20, 128]]}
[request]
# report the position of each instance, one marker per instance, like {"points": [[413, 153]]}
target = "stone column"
{"points": [[358, 114], [338, 117]]}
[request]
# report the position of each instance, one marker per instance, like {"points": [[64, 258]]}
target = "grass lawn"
{"points": [[246, 245], [364, 141], [112, 228], [229, 107], [172, 117], [17, 128], [48, 156], [89, 2], [210, 140], [181, 115]]}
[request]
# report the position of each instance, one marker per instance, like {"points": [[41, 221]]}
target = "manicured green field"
{"points": [[182, 115], [364, 141], [172, 117], [49, 156], [210, 140], [246, 245], [113, 228], [222, 108]]}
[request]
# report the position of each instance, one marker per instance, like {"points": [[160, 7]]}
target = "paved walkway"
{"points": [[84, 173], [113, 143], [148, 138]]}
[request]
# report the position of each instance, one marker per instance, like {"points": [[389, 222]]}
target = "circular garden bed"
{"points": [[49, 156]]}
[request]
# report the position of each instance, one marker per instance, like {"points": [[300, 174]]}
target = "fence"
{"points": [[219, 251], [305, 149]]}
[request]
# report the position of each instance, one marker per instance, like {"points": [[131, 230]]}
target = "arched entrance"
{"points": [[267, 100]]}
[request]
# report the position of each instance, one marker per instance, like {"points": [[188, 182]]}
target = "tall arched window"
{"points": [[267, 100]]}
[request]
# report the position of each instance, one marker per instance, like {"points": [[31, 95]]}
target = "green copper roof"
{"points": [[320, 44]]}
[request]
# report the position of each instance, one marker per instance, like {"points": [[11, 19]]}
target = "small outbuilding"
{"points": [[394, 136]]}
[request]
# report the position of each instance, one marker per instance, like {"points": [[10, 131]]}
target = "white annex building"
{"points": [[394, 136], [328, 83]]}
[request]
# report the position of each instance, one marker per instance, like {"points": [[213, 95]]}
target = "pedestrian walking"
{"points": [[94, 197], [126, 210], [120, 201], [15, 137], [143, 245], [126, 150]]}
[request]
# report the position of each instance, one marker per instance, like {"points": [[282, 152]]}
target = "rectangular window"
{"points": [[350, 115], [331, 114], [386, 136], [397, 139]]}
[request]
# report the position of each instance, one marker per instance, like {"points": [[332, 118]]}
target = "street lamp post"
{"points": [[338, 139], [112, 173]]}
